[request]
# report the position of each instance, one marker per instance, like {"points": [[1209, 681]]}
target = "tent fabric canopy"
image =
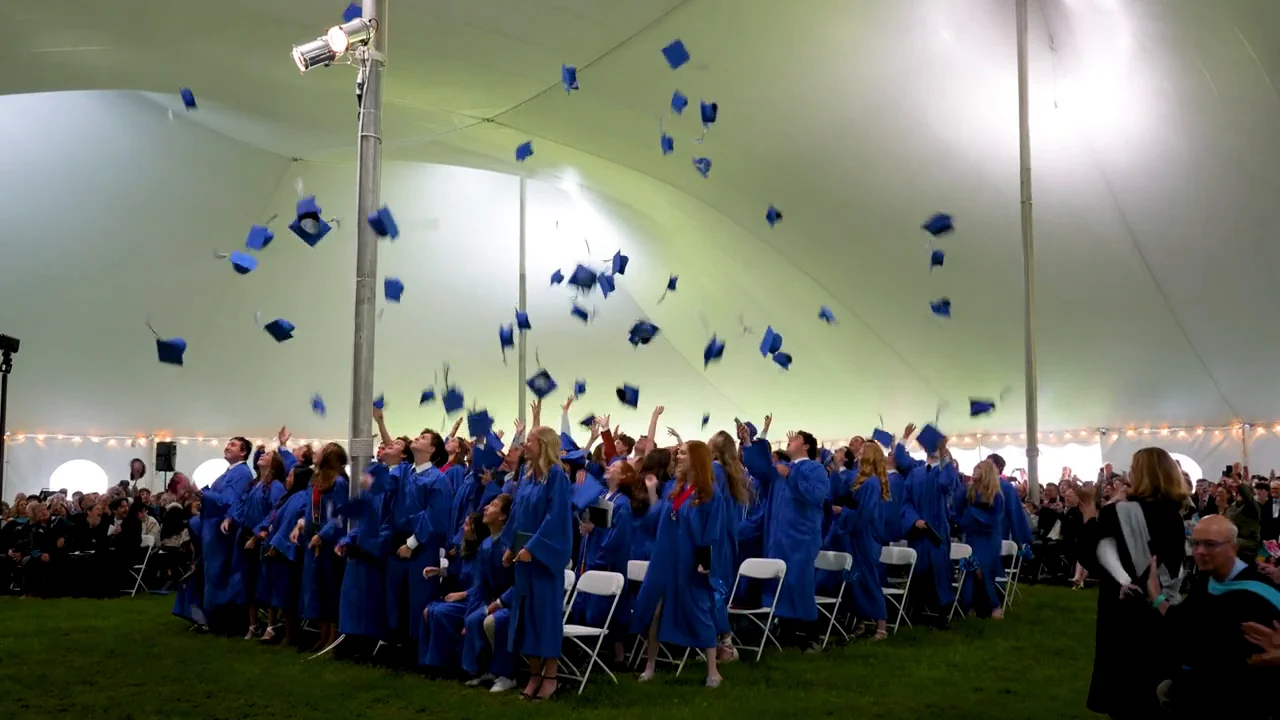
{"points": [[1153, 154]]}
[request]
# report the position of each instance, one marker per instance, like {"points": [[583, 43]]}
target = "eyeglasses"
{"points": [[1208, 544]]}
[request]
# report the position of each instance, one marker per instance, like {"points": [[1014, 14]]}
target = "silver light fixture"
{"points": [[334, 44]]}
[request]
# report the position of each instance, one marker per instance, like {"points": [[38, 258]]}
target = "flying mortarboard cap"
{"points": [[506, 338], [706, 418], [713, 351], [679, 101], [453, 400], [522, 320], [317, 405], [490, 456], [770, 343], [676, 54], [668, 144], [702, 165], [979, 407], [620, 263], [492, 441], [825, 455], [567, 443], [307, 223], [751, 429], [583, 278], [170, 350], [479, 424], [259, 237], [188, 98], [929, 439], [588, 421], [280, 329], [773, 216], [352, 12], [557, 277], [936, 258], [586, 494], [524, 151], [642, 332], [380, 402], [939, 224], [883, 437], [428, 395], [569, 77], [243, 263], [579, 312], [579, 387], [783, 360], [671, 283], [709, 112], [629, 395], [941, 307], [392, 288], [542, 384], [383, 223], [825, 314], [606, 284]]}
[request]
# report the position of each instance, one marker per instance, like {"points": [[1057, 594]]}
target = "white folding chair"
{"points": [[835, 562], [959, 553], [758, 569], [1008, 582], [569, 580], [636, 570], [137, 571], [897, 594], [600, 584]]}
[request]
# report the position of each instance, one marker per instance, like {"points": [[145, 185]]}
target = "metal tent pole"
{"points": [[369, 180], [524, 370], [1028, 259]]}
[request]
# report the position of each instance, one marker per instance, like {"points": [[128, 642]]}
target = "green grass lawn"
{"points": [[128, 658]]}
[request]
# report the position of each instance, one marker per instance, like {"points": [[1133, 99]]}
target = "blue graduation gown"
{"points": [[321, 569], [440, 640], [362, 602], [455, 476], [279, 574], [253, 508], [607, 549], [492, 579], [222, 583], [687, 596], [856, 530], [724, 549], [466, 500], [1014, 524], [981, 525], [929, 491], [543, 510], [190, 594], [793, 526], [421, 511]]}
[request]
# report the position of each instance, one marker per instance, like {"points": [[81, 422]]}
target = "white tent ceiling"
{"points": [[1154, 152]]}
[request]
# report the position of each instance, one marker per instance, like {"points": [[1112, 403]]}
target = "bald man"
{"points": [[1214, 652]]}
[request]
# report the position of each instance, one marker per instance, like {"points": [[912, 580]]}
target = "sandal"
{"points": [[543, 686], [880, 635], [532, 694]]}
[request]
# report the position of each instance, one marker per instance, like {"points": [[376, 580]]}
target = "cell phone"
{"points": [[1229, 471]]}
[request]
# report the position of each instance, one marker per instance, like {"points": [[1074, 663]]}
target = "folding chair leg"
{"points": [[683, 660], [332, 645]]}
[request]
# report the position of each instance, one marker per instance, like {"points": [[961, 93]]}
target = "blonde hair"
{"points": [[548, 452], [986, 482], [1153, 475], [871, 463], [725, 452]]}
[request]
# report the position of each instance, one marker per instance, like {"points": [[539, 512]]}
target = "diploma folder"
{"points": [[601, 514], [926, 532], [522, 538]]}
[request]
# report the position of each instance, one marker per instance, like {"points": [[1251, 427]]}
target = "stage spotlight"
{"points": [[335, 43]]}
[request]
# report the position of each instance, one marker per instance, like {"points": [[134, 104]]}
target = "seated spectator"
{"points": [[40, 555]]}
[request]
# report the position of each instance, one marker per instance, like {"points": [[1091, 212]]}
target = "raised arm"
{"points": [[565, 427], [457, 424], [382, 426], [653, 427], [536, 408]]}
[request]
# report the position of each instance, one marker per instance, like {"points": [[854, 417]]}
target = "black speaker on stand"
{"points": [[166, 456]]}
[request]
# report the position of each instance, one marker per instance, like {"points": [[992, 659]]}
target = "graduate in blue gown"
{"points": [[733, 492], [420, 508], [539, 540], [793, 526], [440, 641], [246, 516], [318, 532], [188, 599], [1014, 524], [281, 567], [655, 477], [856, 525], [486, 626], [926, 508], [677, 604], [979, 509], [362, 601], [223, 587], [609, 549]]}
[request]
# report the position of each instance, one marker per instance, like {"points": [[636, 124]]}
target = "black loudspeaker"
{"points": [[166, 456]]}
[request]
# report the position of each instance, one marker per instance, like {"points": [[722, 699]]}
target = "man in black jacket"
{"points": [[124, 541], [1271, 513], [41, 555]]}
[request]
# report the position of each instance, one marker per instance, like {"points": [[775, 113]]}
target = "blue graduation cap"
{"points": [[188, 98], [579, 387], [506, 338], [751, 429], [170, 350], [825, 314], [569, 78], [770, 343], [883, 437], [280, 329], [522, 320], [428, 395], [642, 333], [383, 223], [392, 288], [706, 418], [479, 424], [671, 283], [588, 421], [583, 278], [524, 151], [939, 224], [259, 237], [453, 401], [542, 384], [317, 405], [493, 442], [380, 402], [307, 223], [579, 312], [243, 263], [773, 216], [978, 407], [709, 113], [783, 359], [676, 54], [679, 101], [557, 277], [490, 455], [352, 12], [936, 258], [941, 307], [586, 494], [620, 263], [567, 443], [929, 439], [702, 165], [606, 284], [668, 144], [629, 395], [713, 351]]}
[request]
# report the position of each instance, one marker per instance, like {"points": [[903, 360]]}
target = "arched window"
{"points": [[1189, 466], [85, 476], [209, 471]]}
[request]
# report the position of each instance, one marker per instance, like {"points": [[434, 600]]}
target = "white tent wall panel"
{"points": [[1211, 450]]}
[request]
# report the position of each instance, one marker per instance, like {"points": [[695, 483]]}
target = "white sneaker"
{"points": [[477, 682], [502, 684]]}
